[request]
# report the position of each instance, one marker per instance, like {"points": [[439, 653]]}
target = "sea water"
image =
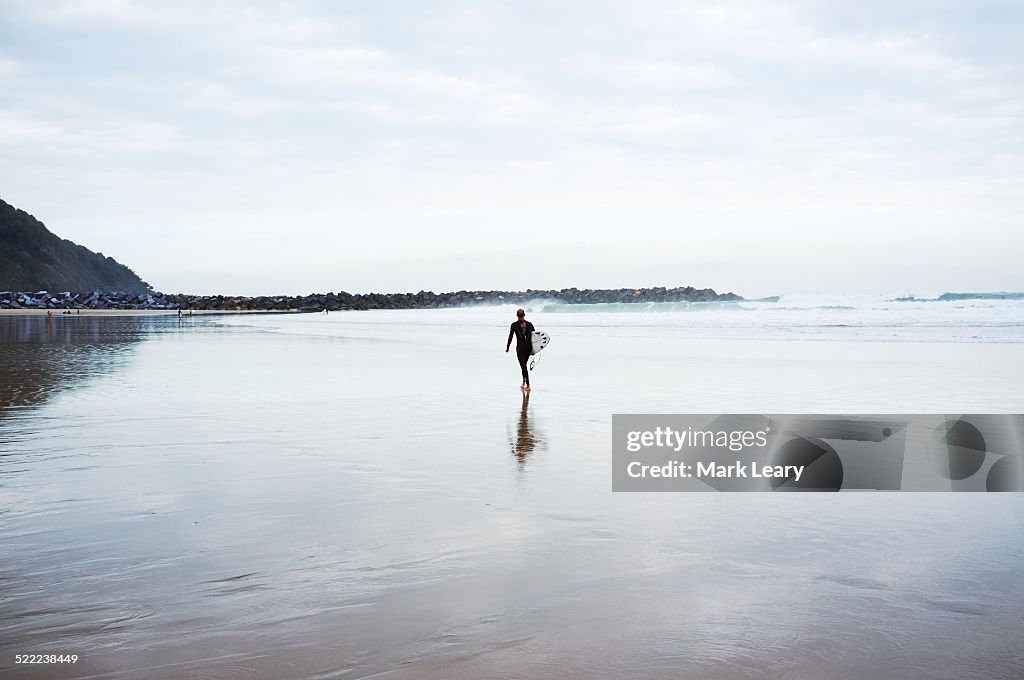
{"points": [[369, 493]]}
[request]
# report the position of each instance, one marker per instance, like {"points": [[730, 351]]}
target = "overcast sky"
{"points": [[291, 147]]}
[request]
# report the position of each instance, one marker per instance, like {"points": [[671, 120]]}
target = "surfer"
{"points": [[523, 332]]}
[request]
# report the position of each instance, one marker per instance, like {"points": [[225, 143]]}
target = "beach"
{"points": [[368, 494]]}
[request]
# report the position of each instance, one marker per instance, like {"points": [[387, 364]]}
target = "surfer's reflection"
{"points": [[527, 439]]}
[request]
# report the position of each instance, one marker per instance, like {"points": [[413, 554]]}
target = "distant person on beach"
{"points": [[523, 332]]}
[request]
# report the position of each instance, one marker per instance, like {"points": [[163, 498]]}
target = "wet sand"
{"points": [[369, 495]]}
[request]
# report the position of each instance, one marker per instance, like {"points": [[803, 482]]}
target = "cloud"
{"points": [[9, 67], [375, 82], [222, 97], [19, 130], [53, 138], [414, 133], [89, 11], [657, 74]]}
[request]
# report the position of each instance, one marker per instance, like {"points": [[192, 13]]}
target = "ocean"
{"points": [[369, 494]]}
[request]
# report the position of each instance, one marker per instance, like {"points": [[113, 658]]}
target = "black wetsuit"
{"points": [[524, 345]]}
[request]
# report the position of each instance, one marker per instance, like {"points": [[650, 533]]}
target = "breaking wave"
{"points": [[778, 303], [955, 297]]}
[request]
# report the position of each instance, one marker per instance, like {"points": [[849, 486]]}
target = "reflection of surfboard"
{"points": [[540, 341]]}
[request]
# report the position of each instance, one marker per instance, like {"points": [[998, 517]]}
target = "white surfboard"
{"points": [[539, 341]]}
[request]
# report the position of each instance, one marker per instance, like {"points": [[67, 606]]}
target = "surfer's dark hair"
{"points": [[520, 313]]}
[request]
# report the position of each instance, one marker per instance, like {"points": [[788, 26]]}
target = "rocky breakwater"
{"points": [[345, 301]]}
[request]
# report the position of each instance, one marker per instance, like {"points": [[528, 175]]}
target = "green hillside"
{"points": [[34, 258]]}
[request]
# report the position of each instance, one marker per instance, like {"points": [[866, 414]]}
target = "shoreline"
{"points": [[58, 312]]}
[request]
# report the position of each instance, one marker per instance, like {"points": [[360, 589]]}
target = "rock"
{"points": [[343, 300]]}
